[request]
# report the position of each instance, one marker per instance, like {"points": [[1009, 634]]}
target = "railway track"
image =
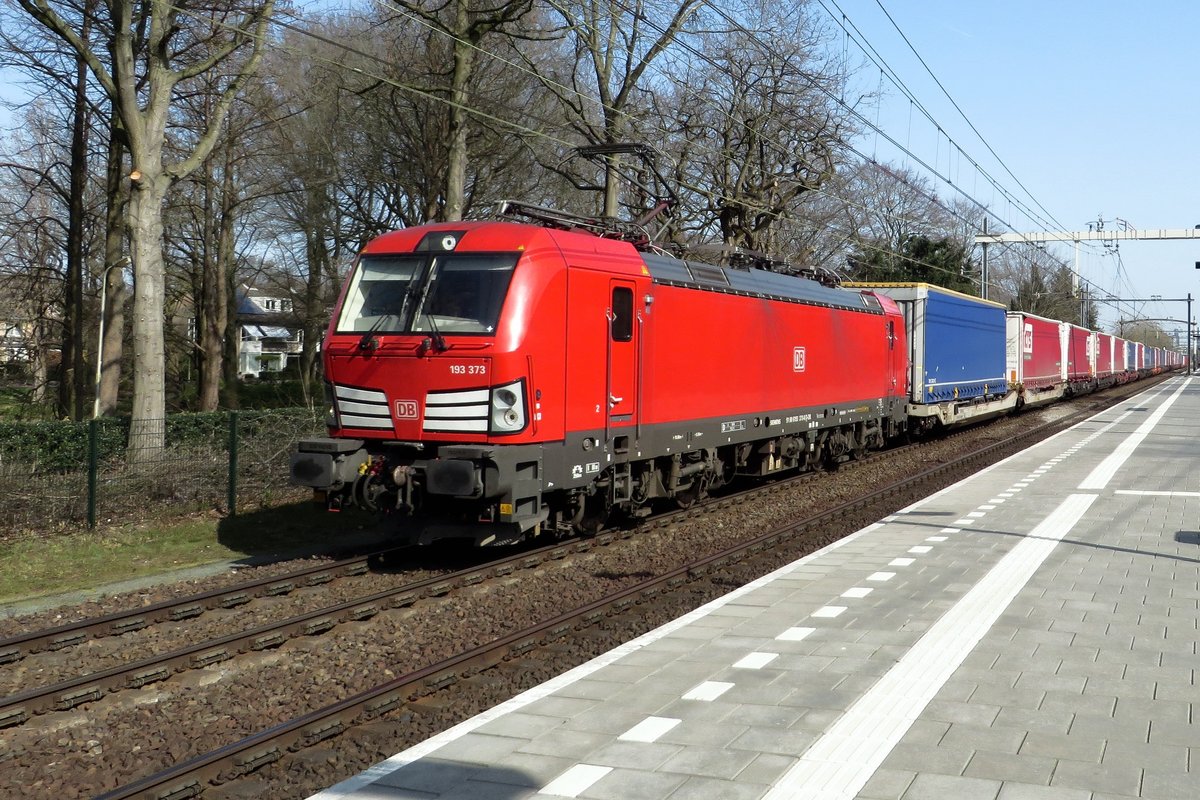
{"points": [[70, 693], [72, 634], [178, 610], [66, 695], [93, 685], [602, 623]]}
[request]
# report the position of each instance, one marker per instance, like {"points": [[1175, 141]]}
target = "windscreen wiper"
{"points": [[368, 340], [437, 341]]}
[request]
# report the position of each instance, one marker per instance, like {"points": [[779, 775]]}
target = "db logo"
{"points": [[798, 359], [406, 409]]}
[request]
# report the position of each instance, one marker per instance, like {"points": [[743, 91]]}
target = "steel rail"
{"points": [[14, 648]]}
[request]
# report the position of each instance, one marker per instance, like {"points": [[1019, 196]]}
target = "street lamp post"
{"points": [[100, 333]]}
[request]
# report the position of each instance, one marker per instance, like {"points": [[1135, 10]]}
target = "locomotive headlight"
{"points": [[508, 408], [331, 409]]}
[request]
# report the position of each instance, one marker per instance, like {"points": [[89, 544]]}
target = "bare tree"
{"points": [[464, 25], [208, 214], [611, 46], [58, 71], [310, 104], [156, 50], [1035, 281], [759, 124], [34, 199]]}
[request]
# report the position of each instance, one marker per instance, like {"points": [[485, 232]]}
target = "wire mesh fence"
{"points": [[63, 475]]}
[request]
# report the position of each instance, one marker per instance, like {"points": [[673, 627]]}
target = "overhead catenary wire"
{"points": [[870, 51], [878, 59]]}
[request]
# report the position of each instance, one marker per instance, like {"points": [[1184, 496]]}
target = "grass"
{"points": [[32, 568]]}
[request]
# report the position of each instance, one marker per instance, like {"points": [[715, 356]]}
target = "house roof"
{"points": [[267, 331]]}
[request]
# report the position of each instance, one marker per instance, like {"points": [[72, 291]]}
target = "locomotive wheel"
{"points": [[592, 513], [691, 495], [371, 493]]}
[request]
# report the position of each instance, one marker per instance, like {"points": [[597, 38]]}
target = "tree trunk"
{"points": [[311, 329], [317, 224], [73, 374], [114, 289], [210, 306], [211, 329], [147, 429], [40, 371], [216, 291], [456, 167], [233, 336]]}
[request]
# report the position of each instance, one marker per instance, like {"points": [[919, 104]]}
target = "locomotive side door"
{"points": [[623, 345], [895, 362]]}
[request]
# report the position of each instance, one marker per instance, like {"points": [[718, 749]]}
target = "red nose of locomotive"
{"points": [[429, 372], [411, 397]]}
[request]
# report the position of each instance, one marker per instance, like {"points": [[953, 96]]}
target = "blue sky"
{"points": [[1092, 106]]}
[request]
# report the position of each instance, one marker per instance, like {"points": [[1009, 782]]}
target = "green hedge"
{"points": [[63, 446]]}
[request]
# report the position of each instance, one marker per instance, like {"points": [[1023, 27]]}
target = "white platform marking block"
{"points": [[575, 781], [708, 691]]}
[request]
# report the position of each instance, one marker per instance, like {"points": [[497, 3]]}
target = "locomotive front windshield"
{"points": [[420, 293]]}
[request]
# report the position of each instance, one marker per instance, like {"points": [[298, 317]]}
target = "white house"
{"points": [[264, 345]]}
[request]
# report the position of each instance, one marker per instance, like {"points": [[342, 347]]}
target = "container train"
{"points": [[494, 380]]}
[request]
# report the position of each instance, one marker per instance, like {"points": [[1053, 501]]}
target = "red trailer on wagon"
{"points": [[1035, 357], [1080, 358]]}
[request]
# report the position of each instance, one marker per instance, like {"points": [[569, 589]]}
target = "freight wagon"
{"points": [[957, 353], [1036, 367]]}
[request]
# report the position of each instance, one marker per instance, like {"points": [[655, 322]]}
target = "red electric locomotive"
{"points": [[490, 380]]}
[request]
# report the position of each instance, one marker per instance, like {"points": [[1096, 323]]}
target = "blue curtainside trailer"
{"points": [[957, 351]]}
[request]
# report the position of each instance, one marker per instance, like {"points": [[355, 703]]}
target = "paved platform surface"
{"points": [[1028, 633]]}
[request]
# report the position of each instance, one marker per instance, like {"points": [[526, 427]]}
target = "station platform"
{"points": [[1030, 632]]}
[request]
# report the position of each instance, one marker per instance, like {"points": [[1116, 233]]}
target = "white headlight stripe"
{"points": [[368, 409], [355, 421], [456, 398], [453, 425], [368, 395], [457, 412]]}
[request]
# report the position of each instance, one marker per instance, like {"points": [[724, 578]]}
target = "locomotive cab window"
{"points": [[622, 314], [443, 293]]}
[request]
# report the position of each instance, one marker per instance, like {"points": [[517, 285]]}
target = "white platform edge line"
{"points": [[418, 751], [842, 760], [1106, 469]]}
